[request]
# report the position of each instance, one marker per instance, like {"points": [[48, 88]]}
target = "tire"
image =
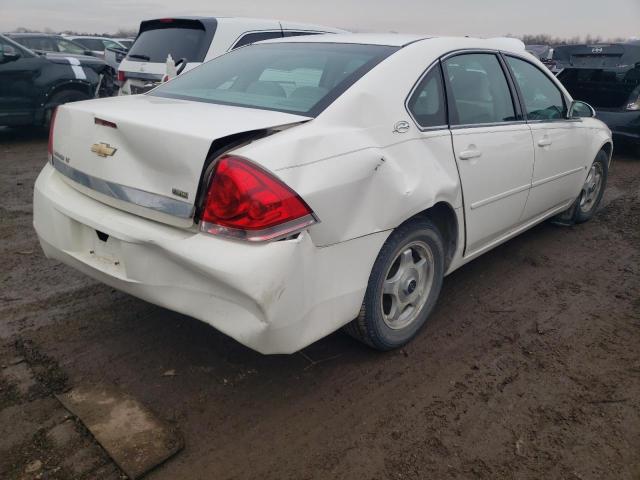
{"points": [[586, 205], [60, 98], [380, 323]]}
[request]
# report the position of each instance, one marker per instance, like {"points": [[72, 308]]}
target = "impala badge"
{"points": [[401, 127], [103, 149]]}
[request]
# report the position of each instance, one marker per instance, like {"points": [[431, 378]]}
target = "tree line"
{"points": [[530, 39]]}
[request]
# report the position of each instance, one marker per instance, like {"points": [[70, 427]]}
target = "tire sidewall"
{"points": [[382, 335], [580, 216]]}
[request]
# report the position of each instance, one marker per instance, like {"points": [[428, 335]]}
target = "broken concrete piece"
{"points": [[133, 436]]}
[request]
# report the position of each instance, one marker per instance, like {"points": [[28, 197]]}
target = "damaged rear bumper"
{"points": [[275, 297]]}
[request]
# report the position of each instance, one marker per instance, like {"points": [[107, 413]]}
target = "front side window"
{"points": [[479, 90], [542, 99], [302, 78], [427, 104]]}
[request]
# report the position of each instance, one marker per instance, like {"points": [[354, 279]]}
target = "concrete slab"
{"points": [[135, 438]]}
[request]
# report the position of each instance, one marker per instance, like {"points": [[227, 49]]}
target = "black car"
{"points": [[31, 85], [42, 42], [608, 78]]}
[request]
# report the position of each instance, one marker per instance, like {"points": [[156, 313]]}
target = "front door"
{"points": [[17, 89], [492, 146], [560, 144]]}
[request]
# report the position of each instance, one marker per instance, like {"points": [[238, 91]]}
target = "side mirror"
{"points": [[580, 109], [88, 53], [9, 54]]}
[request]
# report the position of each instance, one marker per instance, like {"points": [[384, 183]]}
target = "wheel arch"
{"points": [[78, 86], [444, 216], [608, 149]]}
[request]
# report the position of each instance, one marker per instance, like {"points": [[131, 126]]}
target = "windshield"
{"points": [[602, 88], [302, 78], [180, 38]]}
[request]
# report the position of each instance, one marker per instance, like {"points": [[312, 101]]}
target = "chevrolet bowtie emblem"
{"points": [[103, 149]]}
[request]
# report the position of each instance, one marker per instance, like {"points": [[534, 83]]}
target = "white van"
{"points": [[194, 40]]}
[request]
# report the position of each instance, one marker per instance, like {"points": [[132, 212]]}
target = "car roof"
{"points": [[401, 40], [389, 39], [33, 34]]}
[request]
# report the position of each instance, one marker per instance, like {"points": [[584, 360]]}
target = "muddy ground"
{"points": [[529, 368]]}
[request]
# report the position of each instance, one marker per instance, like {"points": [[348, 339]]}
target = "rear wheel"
{"points": [[403, 287]]}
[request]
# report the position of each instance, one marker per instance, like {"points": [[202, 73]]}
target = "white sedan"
{"points": [[291, 188]]}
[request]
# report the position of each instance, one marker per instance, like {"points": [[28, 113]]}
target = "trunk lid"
{"points": [[150, 164]]}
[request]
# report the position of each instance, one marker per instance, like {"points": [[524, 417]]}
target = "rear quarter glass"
{"points": [[299, 78]]}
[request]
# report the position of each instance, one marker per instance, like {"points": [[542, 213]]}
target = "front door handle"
{"points": [[544, 142], [469, 154]]}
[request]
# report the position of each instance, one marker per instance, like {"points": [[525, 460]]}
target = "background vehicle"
{"points": [[40, 42], [239, 192], [608, 78], [125, 42], [544, 53], [195, 40], [96, 45], [32, 85]]}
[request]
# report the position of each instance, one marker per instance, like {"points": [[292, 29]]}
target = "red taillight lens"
{"points": [[245, 201], [52, 122], [121, 76]]}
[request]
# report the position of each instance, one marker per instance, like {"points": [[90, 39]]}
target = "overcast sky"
{"points": [[606, 18]]}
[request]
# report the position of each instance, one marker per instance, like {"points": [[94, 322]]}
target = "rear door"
{"points": [[560, 144], [492, 146]]}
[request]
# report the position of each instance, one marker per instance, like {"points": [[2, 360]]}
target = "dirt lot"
{"points": [[528, 369]]}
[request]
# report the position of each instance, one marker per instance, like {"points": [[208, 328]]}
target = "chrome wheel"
{"points": [[591, 188], [407, 285]]}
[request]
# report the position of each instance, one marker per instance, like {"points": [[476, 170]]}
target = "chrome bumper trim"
{"points": [[132, 195]]}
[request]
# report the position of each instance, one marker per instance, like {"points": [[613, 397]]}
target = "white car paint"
{"points": [[229, 31], [361, 177]]}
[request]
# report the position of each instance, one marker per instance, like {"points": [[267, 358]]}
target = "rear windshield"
{"points": [[601, 87], [301, 78], [180, 38]]}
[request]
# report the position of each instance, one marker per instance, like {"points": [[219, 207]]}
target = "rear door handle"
{"points": [[544, 142], [469, 154]]}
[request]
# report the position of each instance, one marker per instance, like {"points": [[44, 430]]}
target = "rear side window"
{"points": [[479, 90], [302, 78], [38, 43], [179, 38], [91, 43], [297, 33], [256, 37], [427, 104], [542, 99]]}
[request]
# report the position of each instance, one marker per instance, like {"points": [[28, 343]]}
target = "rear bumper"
{"points": [[624, 125], [275, 297]]}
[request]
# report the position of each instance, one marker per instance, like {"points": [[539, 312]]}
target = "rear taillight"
{"points": [[121, 76], [52, 122], [245, 201]]}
